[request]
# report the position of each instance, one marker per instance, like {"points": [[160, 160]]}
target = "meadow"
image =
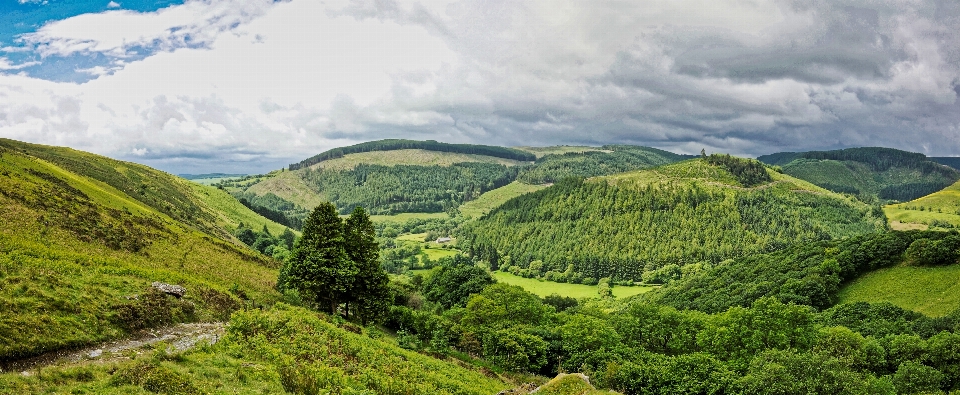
{"points": [[492, 199], [546, 288], [934, 291]]}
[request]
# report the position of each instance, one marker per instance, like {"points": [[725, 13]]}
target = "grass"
{"points": [[559, 149], [546, 288], [404, 217], [417, 157], [230, 212], [939, 207], [934, 291], [289, 186], [73, 249], [281, 350], [492, 199]]}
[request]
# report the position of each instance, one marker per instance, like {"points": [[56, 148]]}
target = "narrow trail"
{"points": [[178, 337]]}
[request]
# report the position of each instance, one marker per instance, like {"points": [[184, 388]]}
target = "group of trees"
{"points": [[623, 230], [337, 262], [613, 159], [636, 346], [431, 145], [748, 172], [407, 188], [274, 208], [809, 274], [278, 246]]}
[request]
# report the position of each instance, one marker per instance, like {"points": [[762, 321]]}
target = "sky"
{"points": [[235, 86]]}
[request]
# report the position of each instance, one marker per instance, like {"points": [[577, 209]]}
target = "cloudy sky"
{"points": [[249, 86]]}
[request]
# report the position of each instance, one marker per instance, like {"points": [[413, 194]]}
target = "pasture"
{"points": [[546, 288], [934, 291], [492, 199]]}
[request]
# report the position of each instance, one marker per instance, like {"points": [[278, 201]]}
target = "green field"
{"points": [[559, 149], [493, 199], [934, 291], [942, 207], [545, 288], [211, 181], [404, 217]]}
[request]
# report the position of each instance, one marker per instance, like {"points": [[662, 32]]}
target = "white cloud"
{"points": [[113, 4], [262, 84]]}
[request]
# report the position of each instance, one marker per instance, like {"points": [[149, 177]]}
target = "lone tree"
{"points": [[319, 266], [370, 291]]}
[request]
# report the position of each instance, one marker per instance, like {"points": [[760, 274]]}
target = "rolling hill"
{"points": [[84, 236], [872, 173], [389, 177], [630, 226], [940, 209]]}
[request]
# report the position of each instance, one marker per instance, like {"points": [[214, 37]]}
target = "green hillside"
{"points": [[931, 290], [631, 225], [492, 199], [872, 173], [83, 235], [389, 177], [940, 210], [283, 350]]}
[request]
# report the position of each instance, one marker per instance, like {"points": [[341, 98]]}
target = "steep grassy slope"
{"points": [[882, 173], [284, 350], [623, 226], [940, 209], [74, 250]]}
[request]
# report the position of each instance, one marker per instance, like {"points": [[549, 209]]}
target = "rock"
{"points": [[95, 353], [170, 289]]}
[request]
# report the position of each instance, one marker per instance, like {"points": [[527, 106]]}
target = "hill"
{"points": [[389, 177], [940, 209], [635, 226], [872, 173], [84, 236]]}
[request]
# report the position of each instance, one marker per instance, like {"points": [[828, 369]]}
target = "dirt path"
{"points": [[178, 337]]}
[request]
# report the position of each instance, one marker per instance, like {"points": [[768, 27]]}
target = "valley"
{"points": [[647, 271]]}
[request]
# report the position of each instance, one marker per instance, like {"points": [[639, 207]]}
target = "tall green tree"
{"points": [[370, 292], [319, 267]]}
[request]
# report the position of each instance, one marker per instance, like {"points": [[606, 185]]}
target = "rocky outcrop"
{"points": [[170, 289]]}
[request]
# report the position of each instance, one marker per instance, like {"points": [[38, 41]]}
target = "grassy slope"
{"points": [[934, 291], [283, 350], [73, 249], [855, 175], [940, 206], [230, 213], [289, 186], [493, 199], [546, 288], [559, 149]]}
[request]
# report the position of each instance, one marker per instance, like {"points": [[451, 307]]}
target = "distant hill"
{"points": [[952, 161], [82, 235], [404, 176], [208, 175], [872, 173], [630, 226]]}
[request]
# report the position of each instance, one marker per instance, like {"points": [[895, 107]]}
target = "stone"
{"points": [[170, 289]]}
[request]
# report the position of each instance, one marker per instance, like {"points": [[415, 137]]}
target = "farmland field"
{"points": [[934, 291], [545, 288]]}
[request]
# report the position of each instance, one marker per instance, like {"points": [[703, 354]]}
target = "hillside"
{"points": [[389, 177], [871, 173], [940, 209], [635, 226], [83, 235]]}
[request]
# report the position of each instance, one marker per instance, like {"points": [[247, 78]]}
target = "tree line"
{"points": [[431, 145], [618, 159]]}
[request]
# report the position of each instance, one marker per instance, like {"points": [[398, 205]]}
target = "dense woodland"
{"points": [[397, 144], [593, 229], [613, 159], [869, 173], [407, 188]]}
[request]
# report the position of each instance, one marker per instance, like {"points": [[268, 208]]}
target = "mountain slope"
{"points": [[882, 173], [75, 248], [626, 225], [939, 209]]}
